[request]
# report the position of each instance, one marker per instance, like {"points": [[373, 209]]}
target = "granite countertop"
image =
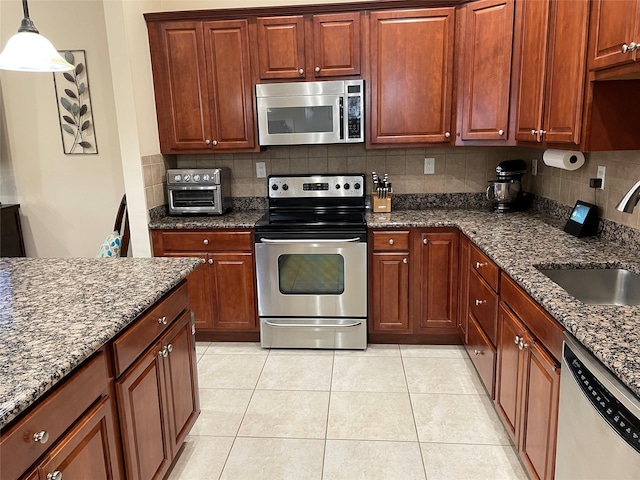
{"points": [[232, 219], [55, 313], [518, 242]]}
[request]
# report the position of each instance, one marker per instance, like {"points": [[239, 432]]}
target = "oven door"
{"points": [[194, 199], [315, 277]]}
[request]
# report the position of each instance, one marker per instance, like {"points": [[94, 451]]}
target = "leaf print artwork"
{"points": [[74, 106]]}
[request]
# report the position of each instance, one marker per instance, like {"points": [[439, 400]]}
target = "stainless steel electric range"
{"points": [[311, 263]]}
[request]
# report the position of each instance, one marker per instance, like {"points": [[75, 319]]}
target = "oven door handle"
{"points": [[317, 240], [312, 325]]}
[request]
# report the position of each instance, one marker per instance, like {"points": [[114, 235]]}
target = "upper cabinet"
{"points": [[614, 35], [202, 82], [297, 47], [410, 78], [551, 48], [485, 59]]}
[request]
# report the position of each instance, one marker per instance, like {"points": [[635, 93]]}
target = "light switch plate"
{"points": [[601, 172], [429, 166], [261, 170], [534, 167]]}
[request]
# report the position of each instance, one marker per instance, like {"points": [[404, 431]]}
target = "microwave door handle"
{"points": [[342, 118]]}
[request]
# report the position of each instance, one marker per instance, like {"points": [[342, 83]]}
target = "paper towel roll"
{"points": [[565, 159]]}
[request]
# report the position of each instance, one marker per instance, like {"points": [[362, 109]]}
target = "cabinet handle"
{"points": [[480, 265], [629, 48], [447, 135], [41, 437], [317, 69], [543, 132], [207, 142], [163, 352], [534, 132], [480, 302], [162, 320], [55, 475], [500, 132], [391, 242], [555, 367], [517, 340], [301, 71], [205, 241], [214, 143], [404, 260], [478, 352], [425, 240], [210, 261], [169, 348]]}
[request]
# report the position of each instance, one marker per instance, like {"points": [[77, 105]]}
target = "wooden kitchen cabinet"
{"points": [[485, 82], [410, 77], [551, 46], [222, 292], [614, 23], [309, 48], [463, 292], [528, 379], [203, 85], [158, 402]]}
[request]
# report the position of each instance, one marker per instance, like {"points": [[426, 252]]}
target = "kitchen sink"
{"points": [[598, 286]]}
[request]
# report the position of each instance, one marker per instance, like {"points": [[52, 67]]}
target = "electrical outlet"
{"points": [[534, 167], [601, 172], [261, 170], [429, 166]]}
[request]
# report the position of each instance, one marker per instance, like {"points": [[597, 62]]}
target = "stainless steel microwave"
{"points": [[309, 113]]}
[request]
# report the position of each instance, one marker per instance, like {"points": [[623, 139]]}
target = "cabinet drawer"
{"points": [[130, 345], [485, 267], [391, 241], [483, 303], [204, 241], [54, 415], [482, 354], [541, 324]]}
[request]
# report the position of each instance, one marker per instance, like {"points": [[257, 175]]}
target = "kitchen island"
{"points": [[59, 319]]}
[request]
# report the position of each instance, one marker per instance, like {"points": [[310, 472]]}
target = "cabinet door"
{"points": [[231, 280], [439, 279], [509, 365], [336, 44], [533, 24], [613, 24], [411, 76], [566, 68], [144, 417], [281, 47], [390, 292], [180, 82], [229, 84], [181, 380], [88, 450], [540, 396], [199, 291], [487, 70]]}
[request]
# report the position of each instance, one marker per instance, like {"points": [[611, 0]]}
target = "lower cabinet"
{"points": [[413, 291], [158, 401], [222, 292]]}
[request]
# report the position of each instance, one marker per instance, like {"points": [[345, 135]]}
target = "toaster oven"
{"points": [[205, 191]]}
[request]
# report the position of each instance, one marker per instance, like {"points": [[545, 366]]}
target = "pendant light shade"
{"points": [[28, 51]]}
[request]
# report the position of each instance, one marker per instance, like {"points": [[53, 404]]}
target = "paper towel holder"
{"points": [[583, 221]]}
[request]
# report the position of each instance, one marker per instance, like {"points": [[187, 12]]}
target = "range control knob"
{"points": [[196, 178], [187, 178], [274, 187], [356, 186], [285, 187], [337, 186], [347, 186]]}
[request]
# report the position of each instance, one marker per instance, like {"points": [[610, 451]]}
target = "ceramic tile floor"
{"points": [[391, 412]]}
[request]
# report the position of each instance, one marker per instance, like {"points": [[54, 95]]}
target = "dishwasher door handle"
{"points": [[316, 240], [313, 325]]}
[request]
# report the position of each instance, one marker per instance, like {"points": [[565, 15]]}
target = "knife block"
{"points": [[381, 204]]}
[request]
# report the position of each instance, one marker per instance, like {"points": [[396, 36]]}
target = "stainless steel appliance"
{"points": [[310, 113], [311, 263], [598, 420], [199, 191], [505, 193]]}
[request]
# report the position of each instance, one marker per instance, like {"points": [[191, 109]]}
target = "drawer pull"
{"points": [[169, 348], [162, 320], [55, 475], [480, 302], [41, 437], [480, 265], [163, 353], [425, 240], [517, 340], [391, 242], [404, 260], [205, 241], [477, 352], [211, 261]]}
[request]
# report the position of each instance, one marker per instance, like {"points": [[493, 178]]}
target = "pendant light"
{"points": [[28, 51]]}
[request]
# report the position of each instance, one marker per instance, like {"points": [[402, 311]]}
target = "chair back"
{"points": [[122, 226]]}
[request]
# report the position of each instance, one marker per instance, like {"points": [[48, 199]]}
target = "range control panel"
{"points": [[324, 186]]}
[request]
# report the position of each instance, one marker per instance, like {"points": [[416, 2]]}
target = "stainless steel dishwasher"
{"points": [[598, 420]]}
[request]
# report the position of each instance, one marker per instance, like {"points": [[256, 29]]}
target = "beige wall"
{"points": [[68, 202]]}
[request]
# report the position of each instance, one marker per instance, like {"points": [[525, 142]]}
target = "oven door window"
{"points": [[193, 198], [311, 274]]}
